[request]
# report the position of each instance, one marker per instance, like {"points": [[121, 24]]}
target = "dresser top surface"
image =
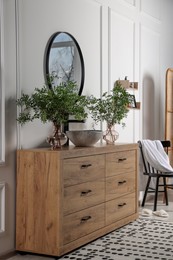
{"points": [[73, 151]]}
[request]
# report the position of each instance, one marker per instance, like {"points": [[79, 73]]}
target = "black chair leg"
{"points": [[165, 191], [156, 194], [146, 190]]}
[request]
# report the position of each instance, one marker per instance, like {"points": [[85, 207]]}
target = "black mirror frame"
{"points": [[46, 59]]}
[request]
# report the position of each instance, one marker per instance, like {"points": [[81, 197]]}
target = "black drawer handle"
{"points": [[86, 192], [84, 166], [84, 219], [121, 182], [122, 159], [122, 204]]}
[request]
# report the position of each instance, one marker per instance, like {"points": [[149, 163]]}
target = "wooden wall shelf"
{"points": [[138, 106], [129, 85]]}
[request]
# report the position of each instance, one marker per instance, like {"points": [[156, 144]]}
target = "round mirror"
{"points": [[64, 60]]}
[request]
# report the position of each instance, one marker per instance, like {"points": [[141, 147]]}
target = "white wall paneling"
{"points": [[104, 50], [122, 62], [150, 63], [8, 170], [151, 9], [2, 96], [122, 47], [150, 77], [82, 19], [127, 2], [131, 2], [2, 207], [18, 90]]}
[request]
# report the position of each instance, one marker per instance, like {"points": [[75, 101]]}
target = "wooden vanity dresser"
{"points": [[69, 197]]}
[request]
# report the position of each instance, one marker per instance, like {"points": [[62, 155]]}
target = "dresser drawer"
{"points": [[83, 195], [119, 185], [120, 208], [83, 169], [82, 223], [120, 162]]}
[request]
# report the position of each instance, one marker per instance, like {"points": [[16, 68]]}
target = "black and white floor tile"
{"points": [[139, 240], [142, 239]]}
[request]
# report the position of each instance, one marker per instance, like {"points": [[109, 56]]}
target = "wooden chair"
{"points": [[157, 175]]}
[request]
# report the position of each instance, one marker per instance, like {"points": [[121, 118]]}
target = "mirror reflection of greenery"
{"points": [[62, 47], [64, 59]]}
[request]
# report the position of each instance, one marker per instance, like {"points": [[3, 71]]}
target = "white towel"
{"points": [[155, 154]]}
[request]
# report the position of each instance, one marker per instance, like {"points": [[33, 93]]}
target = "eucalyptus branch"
{"points": [[112, 108], [54, 105]]}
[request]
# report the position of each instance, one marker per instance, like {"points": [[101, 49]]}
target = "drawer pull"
{"points": [[122, 204], [84, 166], [84, 193], [121, 182], [122, 159], [84, 219]]}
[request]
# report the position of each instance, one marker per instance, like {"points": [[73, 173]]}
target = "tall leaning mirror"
{"points": [[63, 59]]}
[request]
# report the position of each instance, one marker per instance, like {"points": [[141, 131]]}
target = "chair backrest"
{"points": [[166, 144], [147, 167]]}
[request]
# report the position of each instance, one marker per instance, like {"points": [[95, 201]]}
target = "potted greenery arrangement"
{"points": [[111, 108], [53, 105]]}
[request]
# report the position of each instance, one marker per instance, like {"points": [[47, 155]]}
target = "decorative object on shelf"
{"points": [[111, 108], [133, 85], [53, 105], [84, 137], [133, 102]]}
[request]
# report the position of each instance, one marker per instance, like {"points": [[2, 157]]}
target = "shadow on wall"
{"points": [[148, 107], [10, 129]]}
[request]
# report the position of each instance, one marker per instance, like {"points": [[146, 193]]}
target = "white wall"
{"points": [[7, 170], [118, 38]]}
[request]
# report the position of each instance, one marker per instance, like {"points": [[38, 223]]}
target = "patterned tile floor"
{"points": [[149, 205]]}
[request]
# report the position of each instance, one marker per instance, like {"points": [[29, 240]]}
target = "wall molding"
{"points": [[150, 80], [149, 16], [130, 3], [2, 207], [2, 95], [18, 85]]}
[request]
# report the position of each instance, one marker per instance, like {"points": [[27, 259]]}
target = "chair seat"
{"points": [[161, 174]]}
